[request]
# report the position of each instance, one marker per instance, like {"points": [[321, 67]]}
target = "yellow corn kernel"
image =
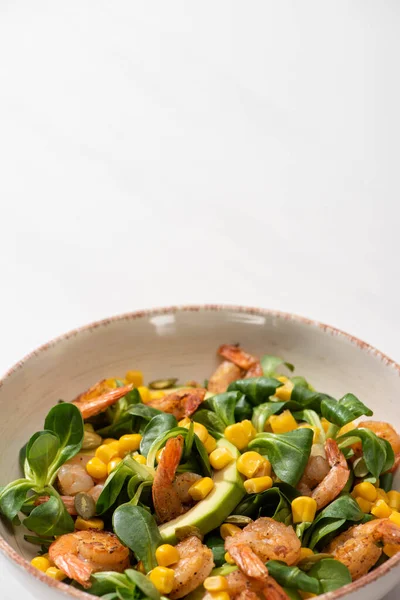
{"points": [[200, 431], [264, 469], [210, 444], [255, 485], [201, 489], [381, 494], [55, 573], [219, 458], [381, 510], [218, 583], [185, 422], [283, 423], [365, 490], [96, 468], [106, 452], [228, 558], [144, 393], [111, 383], [83, 524], [316, 431], [304, 509], [284, 391], [305, 553], [248, 463], [41, 563], [113, 463], [249, 429], [135, 377], [364, 504], [306, 595], [325, 424], [219, 595], [228, 529], [237, 436], [163, 579], [110, 441], [394, 499], [391, 549], [395, 517], [140, 459], [140, 567], [129, 443], [166, 555], [346, 428], [156, 394], [159, 454]]}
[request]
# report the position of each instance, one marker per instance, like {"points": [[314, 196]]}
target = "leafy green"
{"points": [[272, 503], [198, 460], [243, 409], [331, 574], [154, 429], [12, 497], [256, 389], [292, 577], [217, 546], [50, 518], [137, 529], [262, 412], [131, 585], [386, 481], [344, 410], [308, 398], [65, 420], [377, 453], [269, 364], [214, 425], [287, 452], [332, 518], [224, 406], [41, 451], [126, 415], [311, 417]]}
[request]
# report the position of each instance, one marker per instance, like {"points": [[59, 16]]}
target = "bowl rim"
{"points": [[16, 558]]}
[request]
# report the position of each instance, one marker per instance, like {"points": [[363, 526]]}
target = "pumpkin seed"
{"points": [[85, 506], [91, 440], [163, 384]]}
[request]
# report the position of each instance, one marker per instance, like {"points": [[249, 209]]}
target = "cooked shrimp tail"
{"points": [[334, 482], [167, 504], [238, 356], [227, 372], [90, 408], [193, 567], [180, 403], [68, 501], [248, 561]]}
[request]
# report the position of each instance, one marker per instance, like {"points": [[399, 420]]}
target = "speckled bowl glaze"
{"points": [[181, 341]]}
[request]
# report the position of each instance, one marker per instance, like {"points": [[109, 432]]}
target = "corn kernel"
{"points": [[304, 509], [282, 423], [228, 558], [219, 595], [264, 469], [395, 517], [106, 452], [218, 583], [41, 563], [325, 424], [144, 393], [248, 463], [316, 431], [156, 394], [381, 494], [166, 555], [284, 392], [135, 377], [111, 383], [159, 454], [201, 489], [200, 431], [140, 459], [391, 549], [219, 458], [163, 579], [381, 510], [228, 529], [83, 524], [210, 444], [237, 435], [96, 468], [305, 553], [249, 429], [55, 573], [110, 441], [306, 595], [114, 462], [364, 504], [365, 490], [185, 422], [129, 443], [394, 499], [255, 485], [140, 567], [346, 428]]}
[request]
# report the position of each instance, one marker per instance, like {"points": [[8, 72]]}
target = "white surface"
{"points": [[189, 152]]}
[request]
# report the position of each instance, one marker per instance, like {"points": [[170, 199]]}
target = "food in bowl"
{"points": [[251, 483]]}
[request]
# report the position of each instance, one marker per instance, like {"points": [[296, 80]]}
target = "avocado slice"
{"points": [[212, 511]]}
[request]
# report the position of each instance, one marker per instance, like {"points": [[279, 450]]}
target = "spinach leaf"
{"points": [[262, 412], [157, 426], [243, 409], [256, 389], [300, 381], [214, 425], [332, 518], [217, 546], [271, 503], [143, 583], [291, 593], [137, 529], [355, 406], [331, 574], [50, 518], [386, 481], [12, 497], [128, 415], [287, 452], [200, 454], [311, 417], [224, 406], [308, 398], [41, 451], [65, 420], [292, 577], [377, 453], [269, 364]]}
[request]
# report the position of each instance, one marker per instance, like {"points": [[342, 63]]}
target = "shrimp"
{"points": [[82, 553], [335, 480], [167, 504], [238, 356], [262, 540], [96, 491], [316, 470], [241, 587], [99, 388], [73, 479], [68, 501], [182, 484], [94, 406], [384, 431], [255, 371], [226, 373], [193, 567], [180, 403], [357, 547]]}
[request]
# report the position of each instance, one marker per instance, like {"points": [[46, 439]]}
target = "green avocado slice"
{"points": [[212, 511]]}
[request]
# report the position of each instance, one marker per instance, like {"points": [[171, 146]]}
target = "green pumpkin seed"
{"points": [[163, 384], [85, 506], [91, 440]]}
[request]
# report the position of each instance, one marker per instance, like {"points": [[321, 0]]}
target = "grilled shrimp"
{"points": [[182, 484], [91, 406], [241, 587], [166, 500], [82, 553], [335, 480], [227, 372], [193, 567], [180, 403], [73, 478], [262, 540], [316, 470], [385, 431], [238, 356], [68, 501], [357, 547]]}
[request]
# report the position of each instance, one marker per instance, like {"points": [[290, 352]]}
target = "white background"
{"points": [[188, 152]]}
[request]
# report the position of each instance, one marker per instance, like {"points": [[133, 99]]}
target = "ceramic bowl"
{"points": [[181, 341]]}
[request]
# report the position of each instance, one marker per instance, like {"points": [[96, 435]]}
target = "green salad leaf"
{"points": [[256, 389], [331, 574], [331, 519], [211, 421], [262, 413], [377, 452], [269, 364], [154, 429], [292, 577], [272, 503], [137, 529]]}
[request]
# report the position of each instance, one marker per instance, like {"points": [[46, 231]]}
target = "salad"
{"points": [[251, 485]]}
